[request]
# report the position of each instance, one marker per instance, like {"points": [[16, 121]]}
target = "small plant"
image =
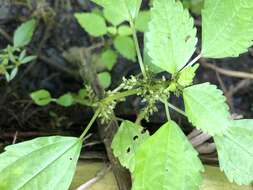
{"points": [[15, 55], [166, 159]]}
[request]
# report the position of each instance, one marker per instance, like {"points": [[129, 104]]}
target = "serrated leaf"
{"points": [[127, 141], [167, 161], [105, 79], [227, 29], [206, 109], [123, 9], [93, 23], [109, 58], [40, 164], [235, 151], [187, 75], [23, 34], [65, 100], [41, 97], [172, 36], [147, 59], [141, 22], [125, 46]]}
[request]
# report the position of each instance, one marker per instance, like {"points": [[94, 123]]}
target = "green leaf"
{"points": [[126, 142], [113, 17], [23, 34], [94, 24], [167, 161], [227, 29], [235, 150], [104, 79], [171, 37], [124, 9], [13, 73], [112, 30], [40, 164], [205, 107], [147, 59], [109, 58], [28, 59], [124, 30], [41, 97], [141, 22], [125, 46], [65, 100], [187, 75]]}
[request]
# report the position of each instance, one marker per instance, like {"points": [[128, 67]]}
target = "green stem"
{"points": [[140, 117], [166, 105], [120, 95], [177, 109], [93, 119], [194, 60], [137, 47]]}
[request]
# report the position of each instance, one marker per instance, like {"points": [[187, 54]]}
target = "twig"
{"points": [[199, 139], [206, 148], [15, 137], [99, 176], [240, 85], [224, 89], [193, 134], [231, 73], [5, 35]]}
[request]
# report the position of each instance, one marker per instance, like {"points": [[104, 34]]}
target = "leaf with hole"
{"points": [[40, 164], [127, 141]]}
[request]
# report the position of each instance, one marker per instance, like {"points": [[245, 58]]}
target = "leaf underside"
{"points": [[206, 109], [227, 28], [171, 38], [40, 164], [167, 161], [235, 150], [126, 142]]}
